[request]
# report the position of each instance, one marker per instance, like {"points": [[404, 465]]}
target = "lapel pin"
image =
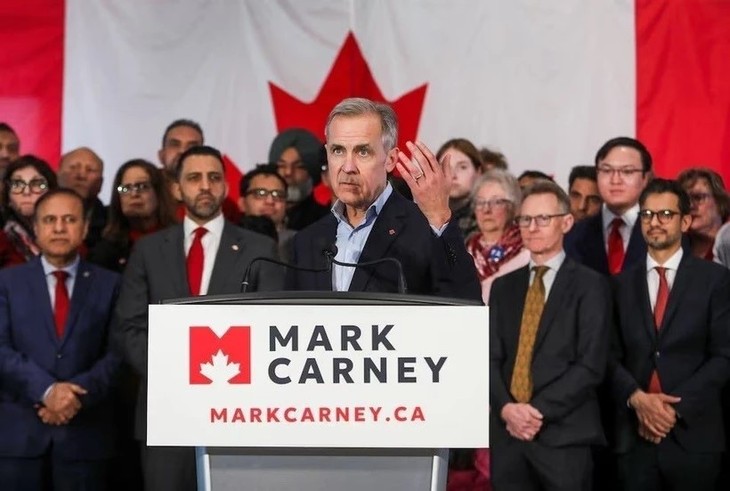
{"points": [[234, 247], [86, 274], [391, 231]]}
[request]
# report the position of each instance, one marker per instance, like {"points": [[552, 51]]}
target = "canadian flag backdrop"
{"points": [[544, 82]]}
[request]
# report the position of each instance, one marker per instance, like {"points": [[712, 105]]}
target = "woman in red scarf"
{"points": [[710, 208], [497, 246]]}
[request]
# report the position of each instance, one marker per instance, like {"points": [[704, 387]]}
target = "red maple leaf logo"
{"points": [[350, 76]]}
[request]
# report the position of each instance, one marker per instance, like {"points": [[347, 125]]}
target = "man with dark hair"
{"points": [[529, 177], [549, 325], [672, 354], [611, 241], [263, 193], [9, 146], [297, 154], [205, 255], [371, 221], [56, 371], [82, 170], [179, 135], [583, 192]]}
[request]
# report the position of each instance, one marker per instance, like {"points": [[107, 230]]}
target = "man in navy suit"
{"points": [[672, 355], [56, 371], [611, 241], [370, 220]]}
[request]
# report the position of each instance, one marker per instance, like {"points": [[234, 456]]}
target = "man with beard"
{"points": [[205, 255], [299, 156], [9, 146], [672, 354]]}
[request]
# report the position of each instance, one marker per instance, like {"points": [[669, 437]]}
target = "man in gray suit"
{"points": [[204, 255]]}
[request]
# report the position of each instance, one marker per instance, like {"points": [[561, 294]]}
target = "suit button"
{"points": [[656, 354], [59, 355]]}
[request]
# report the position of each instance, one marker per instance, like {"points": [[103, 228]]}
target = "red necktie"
{"points": [[196, 257], [659, 308], [60, 307], [615, 247]]}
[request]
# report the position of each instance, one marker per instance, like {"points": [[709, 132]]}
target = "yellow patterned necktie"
{"points": [[521, 386]]}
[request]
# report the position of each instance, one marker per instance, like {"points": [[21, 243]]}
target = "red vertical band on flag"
{"points": [[31, 86], [683, 84]]}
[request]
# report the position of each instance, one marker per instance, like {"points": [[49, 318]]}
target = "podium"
{"points": [[354, 405]]}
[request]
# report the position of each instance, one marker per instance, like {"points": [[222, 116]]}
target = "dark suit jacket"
{"points": [[691, 351], [584, 243], [156, 271], [569, 357], [432, 265], [32, 358]]}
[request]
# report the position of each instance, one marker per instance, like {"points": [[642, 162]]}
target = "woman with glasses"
{"points": [[26, 180], [497, 246], [710, 208], [140, 204]]}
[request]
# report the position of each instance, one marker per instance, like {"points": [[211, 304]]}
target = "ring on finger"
{"points": [[418, 176]]}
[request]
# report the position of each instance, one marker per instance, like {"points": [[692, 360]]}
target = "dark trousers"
{"points": [[169, 468], [527, 466], [49, 474], [667, 466]]}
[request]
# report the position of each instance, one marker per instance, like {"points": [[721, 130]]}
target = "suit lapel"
{"points": [[79, 297], [642, 297], [558, 291], [681, 282], [39, 291], [388, 225], [595, 248], [230, 249], [636, 248], [323, 238], [173, 257], [513, 313]]}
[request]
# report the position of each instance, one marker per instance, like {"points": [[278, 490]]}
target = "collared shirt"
{"points": [[652, 275], [48, 269], [210, 242], [351, 241], [629, 218], [553, 265]]}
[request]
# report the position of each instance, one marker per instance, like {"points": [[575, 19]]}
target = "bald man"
{"points": [[82, 170]]}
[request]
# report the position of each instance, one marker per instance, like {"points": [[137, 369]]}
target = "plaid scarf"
{"points": [[489, 258], [22, 240]]}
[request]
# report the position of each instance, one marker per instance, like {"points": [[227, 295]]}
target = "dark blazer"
{"points": [[432, 265], [569, 357], [156, 271], [32, 358], [691, 351], [584, 243]]}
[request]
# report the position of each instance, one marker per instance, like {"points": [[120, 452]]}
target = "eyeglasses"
{"points": [[698, 198], [524, 221], [490, 204], [261, 193], [136, 187], [623, 172], [36, 186], [664, 216]]}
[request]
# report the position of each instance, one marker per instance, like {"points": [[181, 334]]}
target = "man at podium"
{"points": [[371, 222]]}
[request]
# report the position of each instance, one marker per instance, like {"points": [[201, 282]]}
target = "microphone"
{"points": [[246, 275], [331, 251]]}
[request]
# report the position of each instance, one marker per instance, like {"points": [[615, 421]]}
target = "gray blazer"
{"points": [[156, 271]]}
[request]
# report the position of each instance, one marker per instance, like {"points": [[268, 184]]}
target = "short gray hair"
{"points": [[358, 106], [505, 180]]}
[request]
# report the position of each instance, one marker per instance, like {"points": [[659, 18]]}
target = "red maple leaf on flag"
{"points": [[350, 76]]}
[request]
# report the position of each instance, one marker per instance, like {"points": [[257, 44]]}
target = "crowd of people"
{"points": [[609, 299]]}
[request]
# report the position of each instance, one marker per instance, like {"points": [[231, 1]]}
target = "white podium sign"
{"points": [[312, 376]]}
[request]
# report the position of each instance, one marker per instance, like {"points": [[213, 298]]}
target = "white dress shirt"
{"points": [[548, 278], [652, 275], [629, 218], [210, 242]]}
